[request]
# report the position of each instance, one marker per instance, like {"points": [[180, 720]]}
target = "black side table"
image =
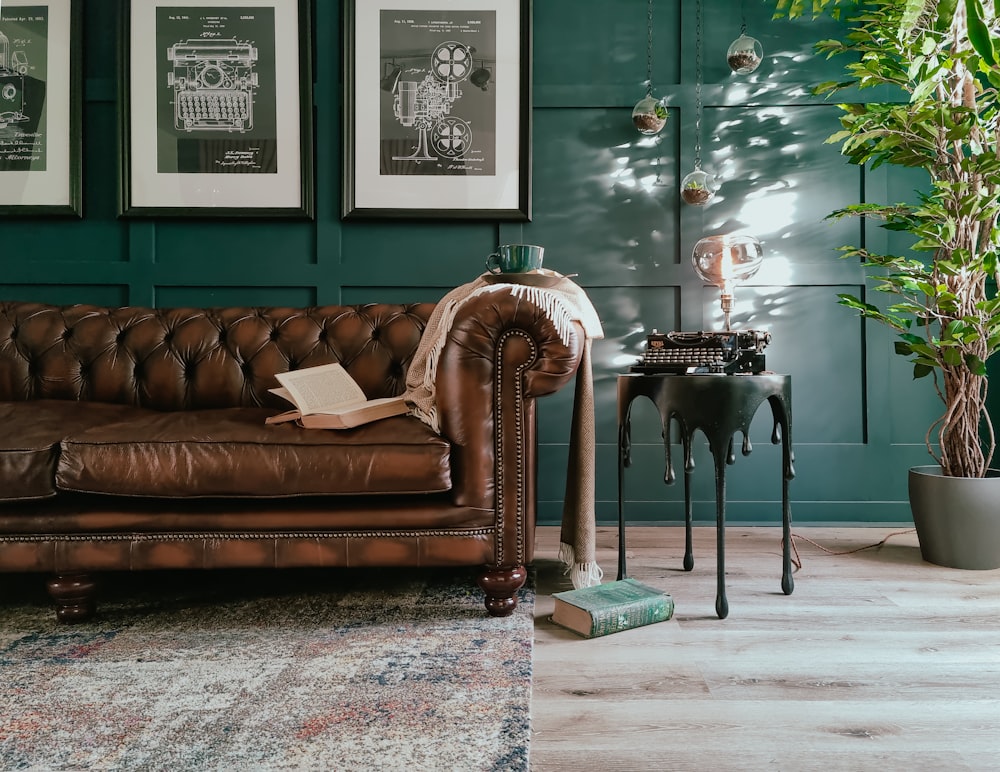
{"points": [[718, 405]]}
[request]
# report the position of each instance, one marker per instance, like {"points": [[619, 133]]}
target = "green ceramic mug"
{"points": [[515, 258]]}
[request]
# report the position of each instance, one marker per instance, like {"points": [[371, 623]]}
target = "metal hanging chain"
{"points": [[697, 91], [649, 48]]}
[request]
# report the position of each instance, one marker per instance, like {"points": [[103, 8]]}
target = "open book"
{"points": [[327, 397]]}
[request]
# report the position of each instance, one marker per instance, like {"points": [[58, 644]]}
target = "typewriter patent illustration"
{"points": [[13, 68], [731, 352], [213, 83]]}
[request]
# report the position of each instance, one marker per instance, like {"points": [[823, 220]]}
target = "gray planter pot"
{"points": [[957, 518]]}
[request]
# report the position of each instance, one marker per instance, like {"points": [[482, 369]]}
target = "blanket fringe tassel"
{"points": [[581, 574]]}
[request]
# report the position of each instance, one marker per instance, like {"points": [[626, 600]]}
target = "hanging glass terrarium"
{"points": [[698, 187], [745, 53], [649, 115]]}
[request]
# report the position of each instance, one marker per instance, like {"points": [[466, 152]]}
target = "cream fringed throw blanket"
{"points": [[563, 303]]}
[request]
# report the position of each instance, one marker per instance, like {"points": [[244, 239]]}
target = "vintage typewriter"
{"points": [[731, 352]]}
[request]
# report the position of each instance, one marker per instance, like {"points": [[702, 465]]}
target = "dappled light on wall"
{"points": [[769, 209], [753, 195]]}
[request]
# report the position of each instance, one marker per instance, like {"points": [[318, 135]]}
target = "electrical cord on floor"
{"points": [[797, 560]]}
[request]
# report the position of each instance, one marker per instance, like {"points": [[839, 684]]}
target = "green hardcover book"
{"points": [[610, 608]]}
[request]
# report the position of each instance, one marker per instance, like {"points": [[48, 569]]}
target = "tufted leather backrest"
{"points": [[191, 358]]}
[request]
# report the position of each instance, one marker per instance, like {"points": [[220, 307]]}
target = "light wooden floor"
{"points": [[877, 661]]}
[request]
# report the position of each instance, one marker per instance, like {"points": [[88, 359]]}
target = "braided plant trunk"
{"points": [[964, 431], [958, 429]]}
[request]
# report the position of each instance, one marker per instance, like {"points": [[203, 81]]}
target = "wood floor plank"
{"points": [[876, 661]]}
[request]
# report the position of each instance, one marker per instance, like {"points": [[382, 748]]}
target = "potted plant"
{"points": [[939, 57]]}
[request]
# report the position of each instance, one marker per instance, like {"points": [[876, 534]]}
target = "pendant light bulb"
{"points": [[727, 261]]}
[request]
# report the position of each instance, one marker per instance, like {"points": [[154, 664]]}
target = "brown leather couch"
{"points": [[134, 438]]}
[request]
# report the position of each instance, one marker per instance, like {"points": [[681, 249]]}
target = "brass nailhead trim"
{"points": [[240, 536], [498, 448]]}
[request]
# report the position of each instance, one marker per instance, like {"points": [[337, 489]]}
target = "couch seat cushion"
{"points": [[30, 433], [231, 452]]}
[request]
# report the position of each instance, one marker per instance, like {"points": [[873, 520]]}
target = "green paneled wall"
{"points": [[606, 207]]}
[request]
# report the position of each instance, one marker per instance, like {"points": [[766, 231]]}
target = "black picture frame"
{"points": [[448, 84], [216, 106], [41, 108]]}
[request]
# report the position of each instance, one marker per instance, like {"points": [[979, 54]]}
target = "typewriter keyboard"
{"points": [[223, 109], [687, 356]]}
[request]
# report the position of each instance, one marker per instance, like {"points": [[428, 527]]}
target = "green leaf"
{"points": [[921, 371], [925, 351], [945, 13], [914, 70], [953, 330], [838, 137], [854, 109], [979, 33], [952, 357], [976, 365]]}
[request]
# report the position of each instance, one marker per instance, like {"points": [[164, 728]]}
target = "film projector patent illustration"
{"points": [[426, 106], [13, 68]]}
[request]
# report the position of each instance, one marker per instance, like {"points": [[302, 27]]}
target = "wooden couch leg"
{"points": [[501, 586], [75, 596]]}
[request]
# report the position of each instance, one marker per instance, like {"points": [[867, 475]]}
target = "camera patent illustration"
{"points": [[13, 69], [213, 83], [426, 105]]}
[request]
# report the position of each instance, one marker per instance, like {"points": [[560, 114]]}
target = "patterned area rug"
{"points": [[336, 670]]}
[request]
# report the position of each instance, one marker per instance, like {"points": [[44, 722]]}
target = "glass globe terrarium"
{"points": [[649, 115], [727, 261], [698, 188], [745, 54]]}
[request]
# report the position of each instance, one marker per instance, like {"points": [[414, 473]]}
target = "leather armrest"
{"points": [[502, 353]]}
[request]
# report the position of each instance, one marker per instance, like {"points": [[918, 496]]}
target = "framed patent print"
{"points": [[437, 109], [216, 108], [40, 107]]}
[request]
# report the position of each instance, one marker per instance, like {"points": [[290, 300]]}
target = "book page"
{"points": [[370, 405], [315, 389], [284, 393]]}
